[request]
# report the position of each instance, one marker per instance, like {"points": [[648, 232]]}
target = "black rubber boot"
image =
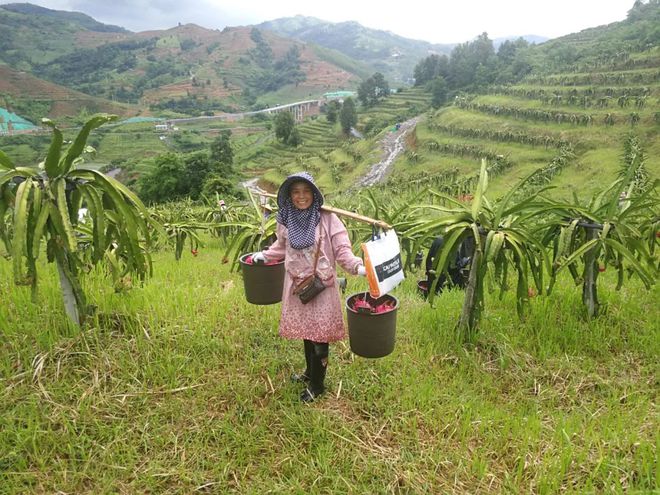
{"points": [[319, 366], [304, 376]]}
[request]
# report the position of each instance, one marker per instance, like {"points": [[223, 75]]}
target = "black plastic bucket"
{"points": [[263, 283], [423, 288], [371, 335]]}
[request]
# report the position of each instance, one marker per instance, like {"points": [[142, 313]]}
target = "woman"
{"points": [[306, 235]]}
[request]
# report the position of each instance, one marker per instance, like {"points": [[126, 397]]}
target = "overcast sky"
{"points": [[437, 21]]}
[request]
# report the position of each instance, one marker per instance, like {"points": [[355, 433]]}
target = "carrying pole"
{"points": [[340, 212]]}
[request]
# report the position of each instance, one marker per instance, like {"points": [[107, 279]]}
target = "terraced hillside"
{"points": [[395, 108], [570, 125], [337, 161]]}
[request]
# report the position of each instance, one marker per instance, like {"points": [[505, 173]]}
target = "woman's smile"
{"points": [[302, 195]]}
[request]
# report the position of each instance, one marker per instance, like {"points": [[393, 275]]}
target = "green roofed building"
{"points": [[9, 121]]}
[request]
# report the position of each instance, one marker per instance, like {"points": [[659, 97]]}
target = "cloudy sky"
{"points": [[439, 21]]}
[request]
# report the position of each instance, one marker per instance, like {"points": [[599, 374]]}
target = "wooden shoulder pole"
{"points": [[343, 213]]}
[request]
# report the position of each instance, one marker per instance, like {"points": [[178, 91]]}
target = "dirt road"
{"points": [[392, 145]]}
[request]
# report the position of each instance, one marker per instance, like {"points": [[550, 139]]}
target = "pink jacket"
{"points": [[320, 320]]}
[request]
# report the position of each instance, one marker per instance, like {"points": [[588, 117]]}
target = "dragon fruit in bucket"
{"points": [[362, 305]]}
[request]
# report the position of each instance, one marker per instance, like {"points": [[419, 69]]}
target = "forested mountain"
{"points": [[33, 35], [601, 46], [83, 20], [388, 53], [34, 98], [625, 45], [192, 70], [187, 69]]}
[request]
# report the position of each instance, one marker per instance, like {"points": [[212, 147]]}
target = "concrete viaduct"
{"points": [[299, 109]]}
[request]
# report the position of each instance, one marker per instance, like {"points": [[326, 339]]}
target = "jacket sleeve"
{"points": [[341, 246], [277, 250]]}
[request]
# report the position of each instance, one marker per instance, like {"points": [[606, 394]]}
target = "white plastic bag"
{"points": [[382, 260]]}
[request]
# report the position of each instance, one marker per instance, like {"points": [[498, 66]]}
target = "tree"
{"points": [[45, 202], [373, 90], [508, 51], [438, 92], [473, 63], [223, 186], [332, 110], [431, 67], [164, 181], [364, 91], [295, 139], [261, 53], [284, 124], [197, 167], [222, 153], [348, 115]]}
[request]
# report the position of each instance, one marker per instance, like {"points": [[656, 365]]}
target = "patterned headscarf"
{"points": [[300, 224]]}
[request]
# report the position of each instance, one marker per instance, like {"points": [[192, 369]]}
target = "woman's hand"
{"points": [[362, 271], [258, 257]]}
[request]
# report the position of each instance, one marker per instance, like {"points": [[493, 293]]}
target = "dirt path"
{"points": [[392, 145]]}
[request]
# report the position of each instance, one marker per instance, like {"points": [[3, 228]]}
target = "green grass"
{"points": [[180, 385]]}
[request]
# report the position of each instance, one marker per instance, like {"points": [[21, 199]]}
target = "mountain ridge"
{"points": [[79, 17]]}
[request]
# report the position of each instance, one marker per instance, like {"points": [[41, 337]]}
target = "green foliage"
{"points": [[332, 109], [513, 61], [191, 105], [475, 64], [503, 238], [45, 204], [438, 89], [33, 35], [367, 50], [261, 53], [197, 167], [175, 176], [430, 68], [188, 44], [282, 72], [250, 228], [223, 153], [64, 17], [90, 65], [216, 183], [609, 229], [165, 181], [348, 115], [373, 90], [284, 125], [612, 45], [294, 139], [181, 223], [29, 108]]}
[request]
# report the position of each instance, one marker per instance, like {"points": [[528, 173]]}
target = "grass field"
{"points": [[180, 386]]}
